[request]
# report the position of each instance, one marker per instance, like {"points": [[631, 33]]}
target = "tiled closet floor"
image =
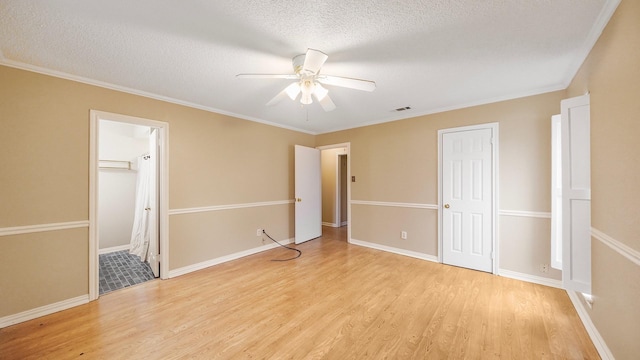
{"points": [[120, 269]]}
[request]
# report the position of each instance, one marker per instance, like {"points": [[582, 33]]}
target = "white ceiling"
{"points": [[431, 55]]}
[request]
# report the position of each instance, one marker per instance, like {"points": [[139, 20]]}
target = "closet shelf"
{"points": [[114, 164]]}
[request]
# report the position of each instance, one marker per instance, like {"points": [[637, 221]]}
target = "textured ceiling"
{"points": [[431, 55]]}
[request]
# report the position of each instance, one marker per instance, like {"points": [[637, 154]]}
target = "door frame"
{"points": [[163, 194], [494, 127], [346, 145]]}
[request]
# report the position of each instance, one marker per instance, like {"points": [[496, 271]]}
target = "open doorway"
{"points": [[127, 192], [128, 195], [335, 171]]}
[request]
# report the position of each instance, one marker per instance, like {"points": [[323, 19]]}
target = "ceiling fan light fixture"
{"points": [[307, 87], [293, 90], [305, 99]]}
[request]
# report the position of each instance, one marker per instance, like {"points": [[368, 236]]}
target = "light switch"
{"points": [[353, 179]]}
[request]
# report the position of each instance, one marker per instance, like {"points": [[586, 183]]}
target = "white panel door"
{"points": [[576, 194], [154, 234], [467, 198], [308, 189]]}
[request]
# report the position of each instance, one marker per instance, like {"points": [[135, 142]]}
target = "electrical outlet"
{"points": [[403, 235], [544, 268], [259, 232]]}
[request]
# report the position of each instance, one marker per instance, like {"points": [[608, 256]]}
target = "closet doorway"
{"points": [[128, 211]]}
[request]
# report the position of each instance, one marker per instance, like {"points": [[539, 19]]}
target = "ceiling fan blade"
{"points": [[278, 98], [313, 61], [268, 76], [357, 84], [326, 103], [290, 91]]}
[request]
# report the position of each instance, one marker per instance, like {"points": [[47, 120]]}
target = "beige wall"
{"points": [[41, 268], [44, 157], [215, 234], [397, 162], [611, 74]]}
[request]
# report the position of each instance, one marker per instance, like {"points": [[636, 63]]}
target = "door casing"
{"points": [[494, 187], [346, 145], [163, 195]]}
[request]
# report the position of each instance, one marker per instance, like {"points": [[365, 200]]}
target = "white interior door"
{"points": [[467, 198], [308, 190], [154, 238], [576, 194]]}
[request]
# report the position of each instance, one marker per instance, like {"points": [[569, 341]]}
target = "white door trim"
{"points": [[494, 187], [346, 145], [163, 139]]}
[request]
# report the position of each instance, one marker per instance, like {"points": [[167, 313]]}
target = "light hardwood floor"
{"points": [[337, 301]]}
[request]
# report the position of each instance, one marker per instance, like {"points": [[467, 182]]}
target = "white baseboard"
{"points": [[334, 225], [114, 249], [205, 264], [530, 278], [413, 254], [42, 311], [597, 340]]}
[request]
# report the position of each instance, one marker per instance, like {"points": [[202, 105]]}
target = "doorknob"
{"points": [[299, 200], [446, 206]]}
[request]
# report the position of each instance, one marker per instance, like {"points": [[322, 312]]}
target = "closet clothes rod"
{"points": [[114, 164]]}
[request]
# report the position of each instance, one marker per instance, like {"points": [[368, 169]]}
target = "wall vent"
{"points": [[403, 108]]}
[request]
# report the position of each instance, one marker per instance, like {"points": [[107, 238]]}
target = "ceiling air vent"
{"points": [[403, 108]]}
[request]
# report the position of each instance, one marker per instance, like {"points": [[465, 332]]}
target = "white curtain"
{"points": [[140, 231]]}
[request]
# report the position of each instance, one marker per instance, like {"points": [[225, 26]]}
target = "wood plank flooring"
{"points": [[337, 301]]}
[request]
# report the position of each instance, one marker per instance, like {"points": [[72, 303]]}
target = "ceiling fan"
{"points": [[306, 68]]}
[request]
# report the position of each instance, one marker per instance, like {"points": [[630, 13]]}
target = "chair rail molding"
{"points": [[395, 204], [617, 246], [27, 229], [228, 207]]}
